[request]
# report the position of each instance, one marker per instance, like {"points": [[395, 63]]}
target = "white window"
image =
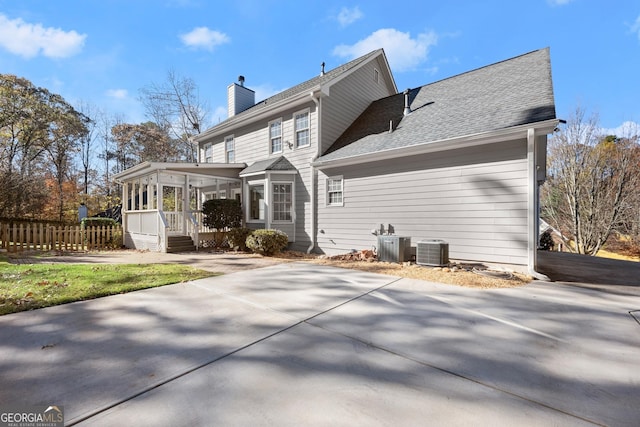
{"points": [[275, 136], [334, 191], [256, 202], [208, 153], [282, 202], [301, 123], [376, 76], [230, 149]]}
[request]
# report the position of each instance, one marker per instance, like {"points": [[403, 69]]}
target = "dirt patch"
{"points": [[469, 275]]}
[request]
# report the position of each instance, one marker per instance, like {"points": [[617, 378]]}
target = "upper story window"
{"points": [[301, 123], [208, 153], [376, 76], [334, 191], [230, 149], [275, 136]]}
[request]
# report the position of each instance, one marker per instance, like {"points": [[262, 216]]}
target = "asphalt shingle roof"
{"points": [[275, 164], [502, 95], [305, 86]]}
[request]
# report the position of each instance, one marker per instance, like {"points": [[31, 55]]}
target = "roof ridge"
{"points": [[493, 64]]}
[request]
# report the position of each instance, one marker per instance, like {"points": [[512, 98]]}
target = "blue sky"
{"points": [[104, 52]]}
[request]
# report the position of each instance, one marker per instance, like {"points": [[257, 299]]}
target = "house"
{"points": [[336, 158]]}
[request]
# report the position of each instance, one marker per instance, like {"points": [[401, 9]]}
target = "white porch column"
{"points": [[185, 205]]}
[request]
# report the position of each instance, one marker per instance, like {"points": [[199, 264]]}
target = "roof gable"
{"points": [[321, 81], [510, 93], [279, 163]]}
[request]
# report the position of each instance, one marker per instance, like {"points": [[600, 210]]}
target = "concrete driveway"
{"points": [[303, 344]]}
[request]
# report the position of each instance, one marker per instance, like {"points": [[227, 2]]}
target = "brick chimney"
{"points": [[239, 98]]}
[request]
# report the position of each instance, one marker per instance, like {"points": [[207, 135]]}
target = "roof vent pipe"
{"points": [[241, 80], [407, 110], [322, 69], [390, 126]]}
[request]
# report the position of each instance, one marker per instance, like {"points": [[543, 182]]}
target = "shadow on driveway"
{"points": [[595, 272]]}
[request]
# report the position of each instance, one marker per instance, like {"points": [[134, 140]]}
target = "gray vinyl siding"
{"points": [[474, 198], [252, 145], [348, 99]]}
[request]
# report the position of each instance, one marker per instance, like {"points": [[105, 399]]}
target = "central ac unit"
{"points": [[432, 252], [393, 248]]}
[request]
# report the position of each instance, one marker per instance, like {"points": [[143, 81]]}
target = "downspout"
{"points": [[315, 96], [532, 206]]}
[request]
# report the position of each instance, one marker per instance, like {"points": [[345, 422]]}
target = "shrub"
{"points": [[222, 214], [267, 242], [237, 238], [546, 241]]}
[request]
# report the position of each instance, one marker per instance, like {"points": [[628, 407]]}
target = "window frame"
{"points": [[274, 202], [271, 138], [329, 191], [227, 139], [306, 111], [207, 149], [250, 219]]}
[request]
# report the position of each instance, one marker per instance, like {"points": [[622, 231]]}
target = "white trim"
{"points": [[263, 183], [278, 120], [293, 202], [226, 151], [306, 111], [516, 132], [334, 178]]}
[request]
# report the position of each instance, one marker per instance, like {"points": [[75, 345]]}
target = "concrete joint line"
{"points": [[224, 356], [499, 320], [456, 374]]}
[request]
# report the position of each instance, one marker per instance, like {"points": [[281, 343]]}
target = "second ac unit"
{"points": [[432, 252]]}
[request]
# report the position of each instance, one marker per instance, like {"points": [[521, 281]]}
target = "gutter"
{"points": [[499, 135]]}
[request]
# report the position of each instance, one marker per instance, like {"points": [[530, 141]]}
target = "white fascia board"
{"points": [[147, 168], [516, 132]]}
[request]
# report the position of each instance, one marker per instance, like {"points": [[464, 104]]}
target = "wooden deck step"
{"points": [[180, 244]]}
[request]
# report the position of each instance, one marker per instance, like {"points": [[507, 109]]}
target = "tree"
{"points": [[175, 106], [140, 143], [593, 180], [37, 130]]}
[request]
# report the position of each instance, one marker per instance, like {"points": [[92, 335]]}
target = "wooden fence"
{"points": [[44, 237]]}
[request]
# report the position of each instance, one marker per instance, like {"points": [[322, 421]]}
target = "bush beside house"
{"points": [[267, 242]]}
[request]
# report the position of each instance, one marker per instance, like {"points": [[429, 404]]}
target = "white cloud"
{"points": [[403, 52], [635, 27], [29, 40], [205, 38], [625, 130], [559, 2], [349, 16], [117, 93]]}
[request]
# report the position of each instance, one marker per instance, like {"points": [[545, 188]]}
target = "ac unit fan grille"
{"points": [[432, 252]]}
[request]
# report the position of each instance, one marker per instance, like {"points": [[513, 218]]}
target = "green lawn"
{"points": [[29, 286]]}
